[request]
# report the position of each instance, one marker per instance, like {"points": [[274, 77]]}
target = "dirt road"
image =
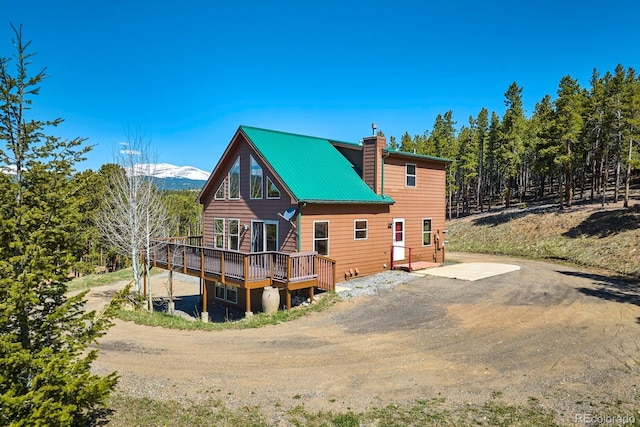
{"points": [[545, 331]]}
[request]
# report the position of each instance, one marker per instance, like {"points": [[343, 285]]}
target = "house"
{"points": [[363, 207]]}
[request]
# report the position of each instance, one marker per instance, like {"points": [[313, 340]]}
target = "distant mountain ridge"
{"points": [[171, 177], [167, 170]]}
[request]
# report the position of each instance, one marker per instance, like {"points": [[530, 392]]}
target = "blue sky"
{"points": [[188, 73]]}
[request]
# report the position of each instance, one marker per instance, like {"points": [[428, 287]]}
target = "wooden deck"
{"points": [[289, 271]]}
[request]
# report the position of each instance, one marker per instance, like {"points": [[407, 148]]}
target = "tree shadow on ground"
{"points": [[191, 305], [493, 220], [610, 288], [607, 223]]}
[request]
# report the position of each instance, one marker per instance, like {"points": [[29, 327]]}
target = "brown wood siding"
{"points": [[368, 256], [426, 200], [246, 209]]}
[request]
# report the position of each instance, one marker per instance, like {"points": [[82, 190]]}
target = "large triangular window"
{"points": [[220, 192], [272, 190]]}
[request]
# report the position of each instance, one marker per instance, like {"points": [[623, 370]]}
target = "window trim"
{"points": [[270, 181], [407, 175], [224, 189], [215, 233], [239, 179], [327, 238], [365, 229], [430, 231], [229, 235], [254, 163], [224, 290]]}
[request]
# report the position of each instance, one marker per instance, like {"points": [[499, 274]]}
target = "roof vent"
{"points": [[373, 128]]}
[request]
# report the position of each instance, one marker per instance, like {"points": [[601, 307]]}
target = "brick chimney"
{"points": [[372, 147]]}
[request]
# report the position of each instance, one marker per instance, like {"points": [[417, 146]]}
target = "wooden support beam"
{"points": [[204, 295], [288, 299], [248, 300]]}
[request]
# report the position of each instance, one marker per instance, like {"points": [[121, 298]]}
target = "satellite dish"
{"points": [[289, 213]]}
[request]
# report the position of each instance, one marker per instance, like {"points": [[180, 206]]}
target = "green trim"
{"points": [[418, 156]]}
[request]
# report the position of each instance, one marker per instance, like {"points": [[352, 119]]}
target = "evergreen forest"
{"points": [[581, 144]]}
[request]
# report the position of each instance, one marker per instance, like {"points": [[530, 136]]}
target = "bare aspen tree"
{"points": [[133, 214]]}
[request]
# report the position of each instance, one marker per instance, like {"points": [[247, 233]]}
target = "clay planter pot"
{"points": [[270, 299]]}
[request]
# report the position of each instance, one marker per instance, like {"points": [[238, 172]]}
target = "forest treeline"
{"points": [[184, 218], [580, 144]]}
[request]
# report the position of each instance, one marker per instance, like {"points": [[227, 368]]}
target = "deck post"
{"points": [[204, 314], [288, 299], [168, 257], [248, 312], [184, 259], [144, 278], [172, 305]]}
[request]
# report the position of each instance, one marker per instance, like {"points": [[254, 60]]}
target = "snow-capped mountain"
{"points": [[10, 170], [166, 170]]}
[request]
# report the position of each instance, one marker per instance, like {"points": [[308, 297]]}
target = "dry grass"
{"points": [[586, 235]]}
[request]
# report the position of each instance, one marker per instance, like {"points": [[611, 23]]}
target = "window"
{"points": [[256, 179], [264, 236], [321, 237], [272, 190], [426, 232], [233, 235], [234, 180], [218, 233], [232, 294], [227, 293], [411, 175], [360, 229], [220, 192], [220, 291]]}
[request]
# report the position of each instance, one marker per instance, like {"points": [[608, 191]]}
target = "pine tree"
{"points": [[511, 144], [45, 376]]}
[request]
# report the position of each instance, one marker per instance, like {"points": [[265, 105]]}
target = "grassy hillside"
{"points": [[586, 235]]}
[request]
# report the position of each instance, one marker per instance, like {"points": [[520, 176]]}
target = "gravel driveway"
{"points": [[557, 334]]}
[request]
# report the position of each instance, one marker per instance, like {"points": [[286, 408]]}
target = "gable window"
{"points": [[234, 234], [426, 232], [321, 237], [256, 179], [360, 228], [220, 192], [234, 180], [272, 190], [410, 175], [218, 233]]}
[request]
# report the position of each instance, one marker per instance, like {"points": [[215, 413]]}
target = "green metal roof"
{"points": [[312, 169]]}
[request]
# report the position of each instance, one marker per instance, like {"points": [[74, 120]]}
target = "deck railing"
{"points": [[182, 255]]}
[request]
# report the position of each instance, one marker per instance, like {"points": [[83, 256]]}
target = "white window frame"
{"points": [[224, 293], [230, 235], [322, 238], [270, 181], [234, 291], [216, 233], [407, 175], [221, 288], [223, 187], [356, 229], [254, 165], [430, 231], [239, 174]]}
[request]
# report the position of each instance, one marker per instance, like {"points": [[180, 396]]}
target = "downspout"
{"points": [[299, 224]]}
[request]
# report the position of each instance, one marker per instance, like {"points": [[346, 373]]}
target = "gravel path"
{"points": [[563, 336]]}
